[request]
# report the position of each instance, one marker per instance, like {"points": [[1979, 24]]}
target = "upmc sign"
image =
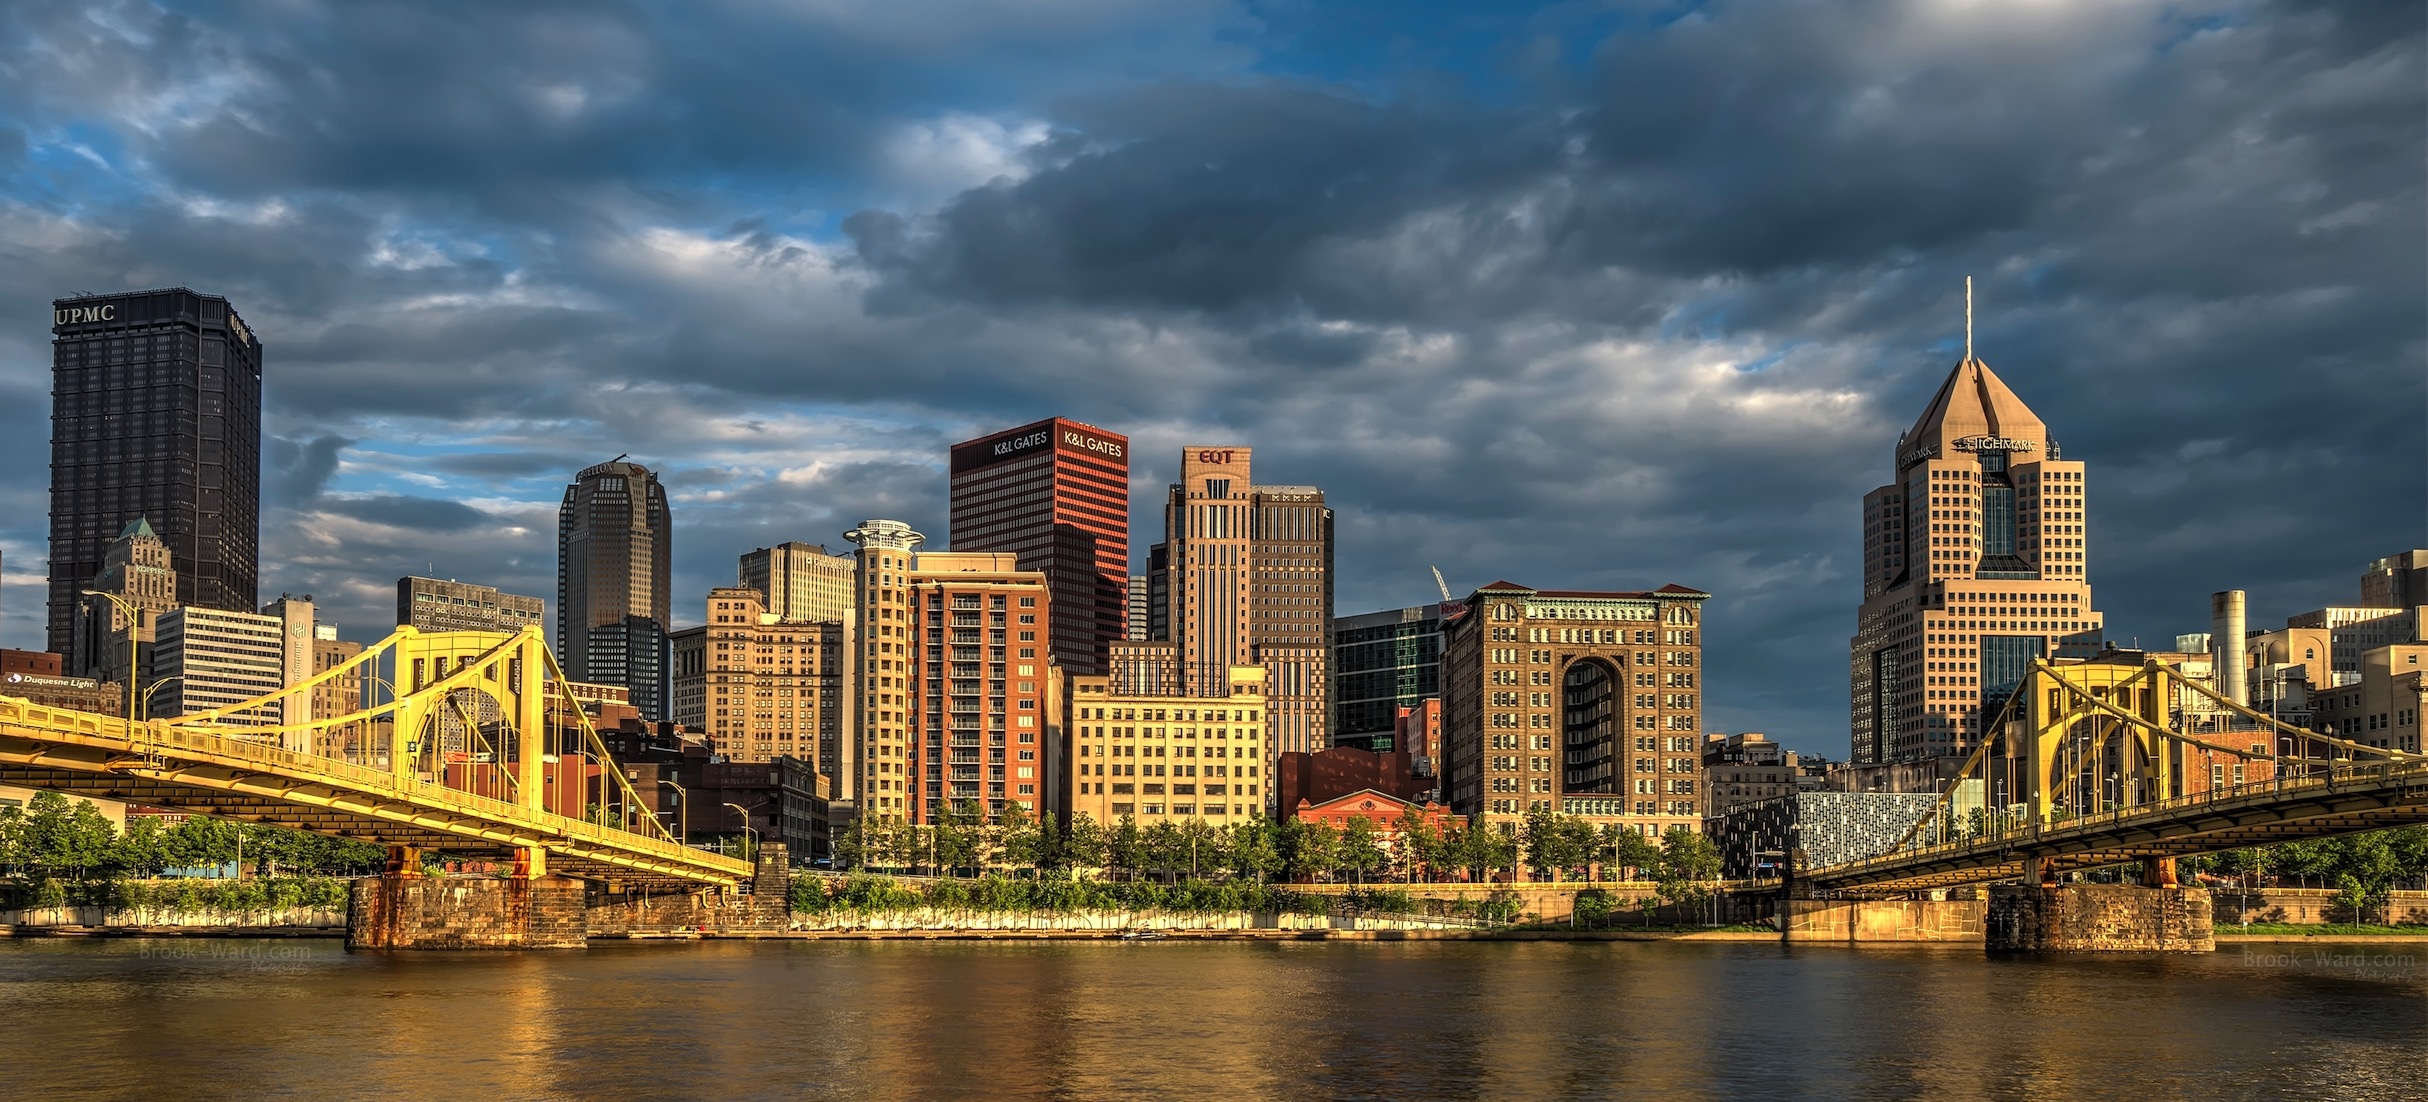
{"points": [[1043, 436], [82, 315]]}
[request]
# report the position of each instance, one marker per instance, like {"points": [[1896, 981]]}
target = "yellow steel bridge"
{"points": [[2123, 759], [469, 743]]}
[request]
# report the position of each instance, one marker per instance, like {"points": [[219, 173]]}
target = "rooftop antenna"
{"points": [[1968, 319], [1968, 338]]}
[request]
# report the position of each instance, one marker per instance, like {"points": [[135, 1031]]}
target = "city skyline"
{"points": [[1701, 397]]}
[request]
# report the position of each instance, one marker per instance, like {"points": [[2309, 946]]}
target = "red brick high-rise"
{"points": [[1057, 494]]}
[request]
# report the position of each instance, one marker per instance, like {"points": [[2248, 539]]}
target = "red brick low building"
{"points": [[1326, 775]]}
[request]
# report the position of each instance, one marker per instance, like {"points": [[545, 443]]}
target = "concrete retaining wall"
{"points": [[465, 912], [1884, 921]]}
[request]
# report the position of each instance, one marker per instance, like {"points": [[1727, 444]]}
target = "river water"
{"points": [[210, 1019]]}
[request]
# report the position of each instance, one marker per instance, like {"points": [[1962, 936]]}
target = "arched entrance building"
{"points": [[1585, 703]]}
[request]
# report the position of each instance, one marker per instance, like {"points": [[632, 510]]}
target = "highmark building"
{"points": [[1976, 563]]}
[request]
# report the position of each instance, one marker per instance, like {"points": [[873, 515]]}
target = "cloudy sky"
{"points": [[1583, 295]]}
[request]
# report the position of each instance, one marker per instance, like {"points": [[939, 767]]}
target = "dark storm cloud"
{"points": [[294, 472], [1639, 305]]}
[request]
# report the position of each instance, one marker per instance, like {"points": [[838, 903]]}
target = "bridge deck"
{"points": [[191, 770], [2349, 798]]}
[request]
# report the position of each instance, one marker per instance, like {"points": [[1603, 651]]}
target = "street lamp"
{"points": [[750, 834], [682, 806], [146, 704], [134, 621]]}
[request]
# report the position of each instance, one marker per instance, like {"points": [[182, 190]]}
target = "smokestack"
{"points": [[2226, 642]]}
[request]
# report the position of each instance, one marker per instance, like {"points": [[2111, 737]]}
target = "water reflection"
{"points": [[208, 1019]]}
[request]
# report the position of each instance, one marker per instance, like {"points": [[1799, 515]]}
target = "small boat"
{"points": [[1143, 935]]}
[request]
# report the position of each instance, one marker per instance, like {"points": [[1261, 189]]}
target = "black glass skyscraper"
{"points": [[155, 414], [614, 563]]}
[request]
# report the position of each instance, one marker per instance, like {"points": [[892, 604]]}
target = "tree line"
{"points": [[51, 839], [1547, 846]]}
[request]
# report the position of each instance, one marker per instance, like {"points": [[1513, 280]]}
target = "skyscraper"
{"points": [[614, 559], [1246, 571], [1975, 563], [800, 582], [1057, 494], [155, 413]]}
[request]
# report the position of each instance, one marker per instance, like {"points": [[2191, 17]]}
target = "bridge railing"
{"points": [[151, 738], [2336, 775]]}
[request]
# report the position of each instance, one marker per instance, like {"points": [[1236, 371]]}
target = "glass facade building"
{"points": [[155, 415], [1382, 662]]}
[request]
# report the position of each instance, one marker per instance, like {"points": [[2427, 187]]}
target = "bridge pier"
{"points": [[2100, 917], [403, 909]]}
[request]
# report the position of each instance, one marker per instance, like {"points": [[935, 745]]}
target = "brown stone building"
{"points": [[1245, 573], [760, 687], [1976, 562], [1585, 703]]}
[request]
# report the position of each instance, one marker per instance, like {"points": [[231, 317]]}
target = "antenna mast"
{"points": [[1968, 319]]}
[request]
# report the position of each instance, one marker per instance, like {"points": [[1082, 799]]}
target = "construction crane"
{"points": [[1452, 608]]}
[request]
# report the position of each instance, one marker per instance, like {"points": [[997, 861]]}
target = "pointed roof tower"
{"points": [[1972, 404], [141, 528]]}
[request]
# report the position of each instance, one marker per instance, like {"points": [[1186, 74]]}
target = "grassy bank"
{"points": [[2324, 929]]}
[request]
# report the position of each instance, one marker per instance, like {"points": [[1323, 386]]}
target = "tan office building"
{"points": [[1586, 703], [758, 686], [801, 581], [1976, 562], [1167, 758]]}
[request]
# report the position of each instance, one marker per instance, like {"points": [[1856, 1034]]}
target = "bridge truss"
{"points": [[465, 742], [2122, 759]]}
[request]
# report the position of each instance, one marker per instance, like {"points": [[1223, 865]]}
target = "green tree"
{"points": [[1020, 836], [1539, 840], [1162, 849], [1688, 866], [1307, 847], [1124, 846], [1083, 845], [1578, 844], [1420, 843], [1202, 847], [1635, 852], [1255, 849], [1359, 850]]}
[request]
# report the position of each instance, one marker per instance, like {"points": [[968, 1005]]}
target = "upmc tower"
{"points": [[1056, 493], [155, 416]]}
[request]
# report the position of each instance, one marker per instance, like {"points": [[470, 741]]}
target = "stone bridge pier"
{"points": [[403, 909], [2158, 915]]}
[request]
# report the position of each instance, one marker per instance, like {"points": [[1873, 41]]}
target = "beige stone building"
{"points": [[1587, 703], [2382, 706], [1168, 758], [136, 570], [1976, 561], [801, 581], [1745, 769], [758, 686]]}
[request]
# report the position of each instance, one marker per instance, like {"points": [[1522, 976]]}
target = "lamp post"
{"points": [[145, 705], [682, 808], [750, 834], [134, 621]]}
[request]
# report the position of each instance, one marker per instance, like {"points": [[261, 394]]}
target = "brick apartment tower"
{"points": [[1057, 494], [1974, 564], [955, 679]]}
